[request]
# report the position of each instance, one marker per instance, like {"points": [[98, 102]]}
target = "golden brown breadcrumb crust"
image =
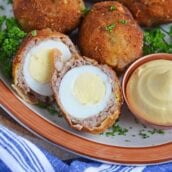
{"points": [[112, 113], [150, 12], [60, 15], [110, 35]]}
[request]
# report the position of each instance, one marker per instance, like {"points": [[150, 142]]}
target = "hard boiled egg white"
{"points": [[85, 91], [38, 65]]}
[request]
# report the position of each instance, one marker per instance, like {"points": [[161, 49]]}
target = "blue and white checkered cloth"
{"points": [[20, 155]]}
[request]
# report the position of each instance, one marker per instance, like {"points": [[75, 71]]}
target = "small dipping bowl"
{"points": [[129, 72]]}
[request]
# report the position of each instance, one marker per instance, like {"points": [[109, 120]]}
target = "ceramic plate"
{"points": [[135, 143]]}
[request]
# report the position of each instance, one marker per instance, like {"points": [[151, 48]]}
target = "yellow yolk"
{"points": [[41, 66], [89, 89]]}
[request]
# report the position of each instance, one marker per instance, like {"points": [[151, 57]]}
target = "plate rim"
{"points": [[79, 145]]}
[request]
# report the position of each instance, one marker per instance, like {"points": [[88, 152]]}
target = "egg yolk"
{"points": [[89, 89], [41, 66]]}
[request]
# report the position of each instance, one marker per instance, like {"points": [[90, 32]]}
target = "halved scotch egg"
{"points": [[88, 94], [33, 64]]}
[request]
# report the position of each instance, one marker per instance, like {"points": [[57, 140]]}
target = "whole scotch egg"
{"points": [[33, 64], [88, 94], [60, 15], [110, 35]]}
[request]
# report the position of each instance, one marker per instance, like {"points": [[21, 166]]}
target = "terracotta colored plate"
{"points": [[107, 149], [80, 145]]}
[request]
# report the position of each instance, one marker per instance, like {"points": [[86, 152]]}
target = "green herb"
{"points": [[52, 109], [34, 33], [116, 129], [154, 131], [122, 21], [147, 133], [85, 11], [160, 131], [155, 41], [112, 8], [110, 27], [1, 7], [170, 32], [143, 134], [9, 1], [10, 40]]}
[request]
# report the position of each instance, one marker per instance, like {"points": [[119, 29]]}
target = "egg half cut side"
{"points": [[34, 64], [85, 91], [88, 94], [38, 65]]}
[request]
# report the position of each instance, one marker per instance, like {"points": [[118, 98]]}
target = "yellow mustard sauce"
{"points": [[149, 91]]}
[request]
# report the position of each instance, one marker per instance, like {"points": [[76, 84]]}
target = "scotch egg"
{"points": [[33, 64], [111, 37], [60, 15], [88, 94]]}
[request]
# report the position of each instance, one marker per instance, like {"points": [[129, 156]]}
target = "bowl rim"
{"points": [[142, 60]]}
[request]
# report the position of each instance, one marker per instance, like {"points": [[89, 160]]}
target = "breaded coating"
{"points": [[60, 15], [150, 12], [110, 35]]}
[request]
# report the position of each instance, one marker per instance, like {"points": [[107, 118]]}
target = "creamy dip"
{"points": [[149, 91]]}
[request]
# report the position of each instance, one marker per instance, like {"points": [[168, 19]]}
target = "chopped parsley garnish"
{"points": [[158, 131], [147, 133], [85, 11], [122, 21], [116, 129], [110, 27], [52, 109], [34, 33], [143, 134], [112, 8], [155, 41]]}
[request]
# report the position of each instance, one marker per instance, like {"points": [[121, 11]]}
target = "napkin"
{"points": [[20, 155]]}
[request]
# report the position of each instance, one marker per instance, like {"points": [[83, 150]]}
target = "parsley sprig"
{"points": [[10, 39], [155, 41]]}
